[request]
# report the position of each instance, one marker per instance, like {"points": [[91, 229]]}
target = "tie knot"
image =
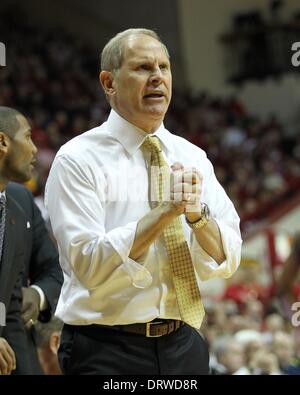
{"points": [[2, 201], [152, 144]]}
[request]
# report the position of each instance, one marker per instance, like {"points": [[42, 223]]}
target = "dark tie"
{"points": [[2, 222]]}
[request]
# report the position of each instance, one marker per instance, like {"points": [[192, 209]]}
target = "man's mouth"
{"points": [[154, 95]]}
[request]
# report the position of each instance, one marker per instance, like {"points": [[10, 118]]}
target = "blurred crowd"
{"points": [[53, 79], [254, 329], [251, 340]]}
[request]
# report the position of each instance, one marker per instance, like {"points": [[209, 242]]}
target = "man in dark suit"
{"points": [[41, 275], [11, 274], [42, 279]]}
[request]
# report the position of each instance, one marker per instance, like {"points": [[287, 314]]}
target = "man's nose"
{"points": [[156, 75], [34, 149]]}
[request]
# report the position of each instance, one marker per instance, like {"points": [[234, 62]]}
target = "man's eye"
{"points": [[163, 66], [145, 67]]}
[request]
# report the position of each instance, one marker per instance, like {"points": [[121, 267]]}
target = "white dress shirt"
{"points": [[96, 193]]}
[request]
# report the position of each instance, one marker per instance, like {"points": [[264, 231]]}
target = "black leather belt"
{"points": [[156, 328]]}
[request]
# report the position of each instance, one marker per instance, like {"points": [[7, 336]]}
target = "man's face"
{"points": [[19, 160], [143, 84]]}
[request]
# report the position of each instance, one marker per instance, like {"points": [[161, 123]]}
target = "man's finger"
{"points": [[192, 175], [12, 355], [190, 198], [28, 314], [180, 197], [184, 187], [177, 166], [3, 365], [7, 362]]}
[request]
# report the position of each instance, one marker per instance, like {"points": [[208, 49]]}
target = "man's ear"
{"points": [[4, 142], [107, 81]]}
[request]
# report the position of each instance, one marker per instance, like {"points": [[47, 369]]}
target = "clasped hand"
{"points": [[186, 190]]}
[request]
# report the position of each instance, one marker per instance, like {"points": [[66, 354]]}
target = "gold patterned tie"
{"points": [[187, 292]]}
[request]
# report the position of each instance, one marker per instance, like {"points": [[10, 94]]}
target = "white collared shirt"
{"points": [[96, 193]]}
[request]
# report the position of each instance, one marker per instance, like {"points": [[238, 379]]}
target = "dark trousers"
{"points": [[98, 350]]}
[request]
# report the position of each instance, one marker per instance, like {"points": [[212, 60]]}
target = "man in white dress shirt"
{"points": [[118, 301]]}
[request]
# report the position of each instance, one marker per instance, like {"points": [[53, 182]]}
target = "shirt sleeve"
{"points": [[43, 300], [224, 213], [76, 206]]}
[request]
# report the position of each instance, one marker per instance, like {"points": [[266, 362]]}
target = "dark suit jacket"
{"points": [[11, 275], [41, 256], [41, 264]]}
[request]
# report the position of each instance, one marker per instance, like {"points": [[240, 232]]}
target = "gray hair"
{"points": [[8, 121], [112, 53], [43, 331]]}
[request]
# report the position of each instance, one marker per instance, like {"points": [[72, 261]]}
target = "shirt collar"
{"points": [[131, 137]]}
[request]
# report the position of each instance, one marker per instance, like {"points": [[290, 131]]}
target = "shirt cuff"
{"points": [[206, 267], [43, 300], [140, 276], [122, 241]]}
